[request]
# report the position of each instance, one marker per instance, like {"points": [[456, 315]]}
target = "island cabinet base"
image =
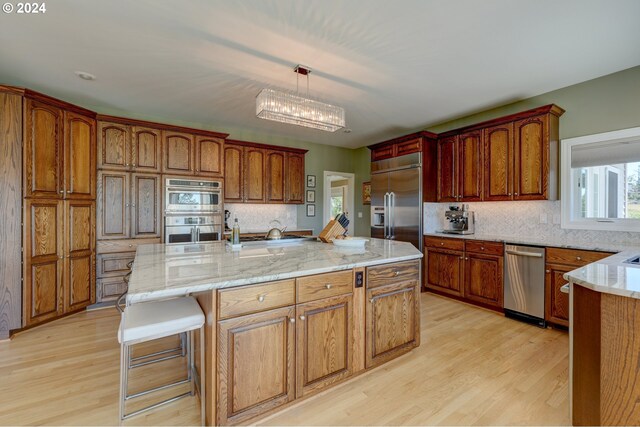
{"points": [[605, 358], [270, 344]]}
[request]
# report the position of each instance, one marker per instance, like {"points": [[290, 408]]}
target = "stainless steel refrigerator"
{"points": [[396, 199]]}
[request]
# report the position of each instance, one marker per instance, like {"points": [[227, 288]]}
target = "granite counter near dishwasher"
{"points": [[162, 271]]}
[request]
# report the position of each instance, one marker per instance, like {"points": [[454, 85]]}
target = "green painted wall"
{"points": [[607, 103]]}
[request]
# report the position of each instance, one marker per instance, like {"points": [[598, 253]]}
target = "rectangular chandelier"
{"points": [[294, 109]]}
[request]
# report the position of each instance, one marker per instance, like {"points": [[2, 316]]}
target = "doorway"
{"points": [[338, 196]]}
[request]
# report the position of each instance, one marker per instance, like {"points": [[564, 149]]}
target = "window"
{"points": [[337, 201], [601, 181]]}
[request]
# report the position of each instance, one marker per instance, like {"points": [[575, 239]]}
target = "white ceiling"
{"points": [[396, 66]]}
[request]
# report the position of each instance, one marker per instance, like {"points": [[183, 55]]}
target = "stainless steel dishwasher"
{"points": [[524, 283]]}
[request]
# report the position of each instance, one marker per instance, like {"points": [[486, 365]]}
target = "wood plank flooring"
{"points": [[474, 367]]}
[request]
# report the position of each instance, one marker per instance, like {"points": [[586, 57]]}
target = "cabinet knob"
{"points": [[371, 300], [130, 246], [126, 205], [461, 257], [328, 286], [61, 191], [396, 273], [547, 271], [261, 298], [302, 317], [467, 258], [292, 319], [134, 165], [482, 248], [61, 256], [578, 258], [515, 194], [441, 243], [133, 205]]}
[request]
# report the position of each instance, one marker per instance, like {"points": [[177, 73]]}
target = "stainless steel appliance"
{"points": [[459, 220], [396, 199], [524, 283], [192, 228], [190, 196]]}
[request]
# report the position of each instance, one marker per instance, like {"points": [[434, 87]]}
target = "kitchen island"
{"points": [[287, 321], [604, 341]]}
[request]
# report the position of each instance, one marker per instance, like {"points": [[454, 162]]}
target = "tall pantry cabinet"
{"points": [[48, 200]]}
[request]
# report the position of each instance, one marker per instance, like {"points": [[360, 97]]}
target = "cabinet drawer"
{"points": [[444, 243], [407, 147], [110, 265], [388, 274], [124, 245], [110, 288], [573, 257], [382, 153], [252, 299], [326, 285], [485, 247]]}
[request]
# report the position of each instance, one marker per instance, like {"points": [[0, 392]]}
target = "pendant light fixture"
{"points": [[286, 107]]}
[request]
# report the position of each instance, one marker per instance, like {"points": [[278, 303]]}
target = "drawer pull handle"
{"points": [[328, 286], [292, 320], [261, 298], [302, 317]]}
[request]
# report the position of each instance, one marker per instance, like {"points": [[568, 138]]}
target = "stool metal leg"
{"points": [[203, 379], [191, 364], [124, 371]]}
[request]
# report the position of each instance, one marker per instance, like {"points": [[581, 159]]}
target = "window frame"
{"points": [[566, 186]]}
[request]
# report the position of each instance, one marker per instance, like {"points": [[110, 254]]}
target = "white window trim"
{"points": [[620, 224]]}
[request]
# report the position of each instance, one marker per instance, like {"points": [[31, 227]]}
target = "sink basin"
{"points": [[633, 260]]}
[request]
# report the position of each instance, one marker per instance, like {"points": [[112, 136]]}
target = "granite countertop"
{"points": [[265, 231], [535, 241], [609, 275], [161, 271]]}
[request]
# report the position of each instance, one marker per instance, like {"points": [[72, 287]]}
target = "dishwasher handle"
{"points": [[520, 253]]}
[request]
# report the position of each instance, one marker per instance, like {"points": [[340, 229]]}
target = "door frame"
{"points": [[326, 198]]}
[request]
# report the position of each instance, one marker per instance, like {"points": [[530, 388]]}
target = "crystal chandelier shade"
{"points": [[286, 107]]}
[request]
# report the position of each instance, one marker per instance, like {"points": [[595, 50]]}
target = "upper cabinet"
{"points": [[146, 149], [114, 146], [79, 156], [510, 158], [209, 156], [179, 153], [255, 173]]}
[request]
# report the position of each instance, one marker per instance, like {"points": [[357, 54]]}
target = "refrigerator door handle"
{"points": [[392, 219], [386, 215]]}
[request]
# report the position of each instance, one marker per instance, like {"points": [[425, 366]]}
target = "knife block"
{"points": [[330, 231]]}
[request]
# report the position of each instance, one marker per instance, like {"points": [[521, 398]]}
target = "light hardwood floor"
{"points": [[473, 367]]}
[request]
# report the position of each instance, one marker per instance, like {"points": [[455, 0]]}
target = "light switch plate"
{"points": [[359, 214], [543, 218]]}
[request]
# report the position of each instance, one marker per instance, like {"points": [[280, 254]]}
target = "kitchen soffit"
{"points": [[395, 66]]}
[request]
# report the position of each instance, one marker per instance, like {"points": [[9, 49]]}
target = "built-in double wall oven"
{"points": [[193, 210]]}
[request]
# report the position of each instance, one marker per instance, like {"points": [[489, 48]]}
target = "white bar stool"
{"points": [[158, 319]]}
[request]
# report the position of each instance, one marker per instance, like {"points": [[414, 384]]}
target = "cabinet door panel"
{"points": [[324, 341], [444, 271], [275, 176], [392, 322], [256, 356], [79, 259], [233, 174], [470, 167], [254, 188], [145, 205], [179, 153], [382, 153], [113, 205], [114, 146], [146, 149], [79, 282], [447, 169], [295, 178], [80, 163], [557, 302], [43, 150], [110, 288], [531, 145], [483, 279], [43, 230], [498, 162], [209, 156]]}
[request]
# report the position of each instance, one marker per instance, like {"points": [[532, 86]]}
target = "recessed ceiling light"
{"points": [[85, 76]]}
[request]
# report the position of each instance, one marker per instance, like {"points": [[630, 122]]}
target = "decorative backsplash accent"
{"points": [[259, 216], [522, 219]]}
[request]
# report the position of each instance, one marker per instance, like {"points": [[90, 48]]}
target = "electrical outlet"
{"points": [[543, 218]]}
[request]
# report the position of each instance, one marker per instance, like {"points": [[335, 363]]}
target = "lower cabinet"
{"points": [[324, 349], [393, 321], [445, 270], [483, 279], [256, 364], [557, 302]]}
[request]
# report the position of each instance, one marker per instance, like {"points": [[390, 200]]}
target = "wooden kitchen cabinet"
{"points": [[483, 279], [324, 343], [275, 176], [531, 157], [447, 169], [256, 364], [43, 150], [233, 173], [146, 205], [444, 271], [254, 175], [469, 173], [79, 156], [498, 162], [295, 178], [113, 205], [209, 156], [79, 254], [146, 149], [114, 146], [393, 321], [179, 153]]}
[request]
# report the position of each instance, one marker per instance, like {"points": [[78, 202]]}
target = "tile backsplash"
{"points": [[523, 219], [259, 216]]}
